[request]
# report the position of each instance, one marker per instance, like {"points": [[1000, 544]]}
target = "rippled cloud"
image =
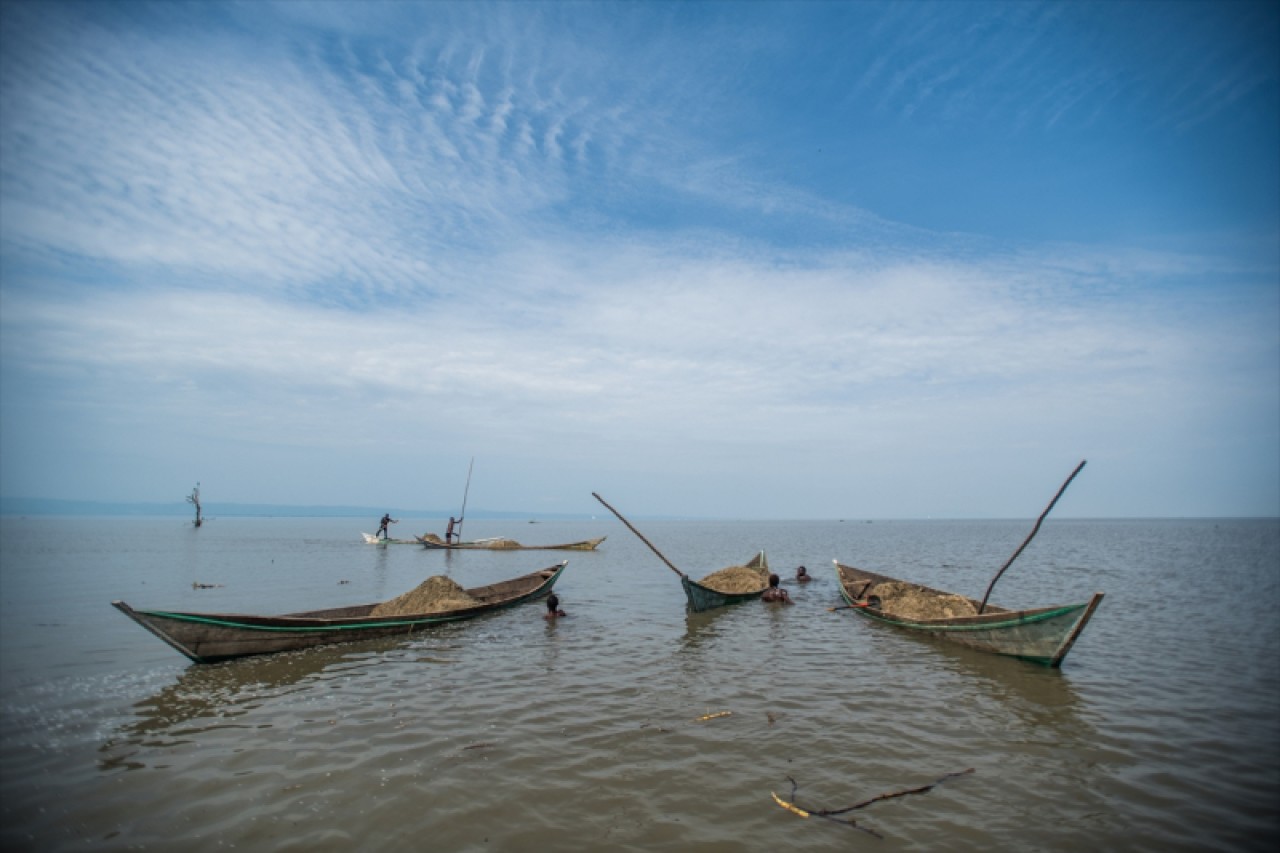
{"points": [[279, 241]]}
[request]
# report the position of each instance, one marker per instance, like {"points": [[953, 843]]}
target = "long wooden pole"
{"points": [[670, 565], [1030, 536], [462, 516]]}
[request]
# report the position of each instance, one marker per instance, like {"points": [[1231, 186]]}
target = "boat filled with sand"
{"points": [[211, 637]]}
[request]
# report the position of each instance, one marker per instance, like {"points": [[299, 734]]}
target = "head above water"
{"points": [[802, 572], [773, 580], [553, 602]]}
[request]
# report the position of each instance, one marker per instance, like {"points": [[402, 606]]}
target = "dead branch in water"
{"points": [[831, 814], [194, 498]]}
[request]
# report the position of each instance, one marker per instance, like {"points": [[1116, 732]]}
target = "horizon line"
{"points": [[16, 507]]}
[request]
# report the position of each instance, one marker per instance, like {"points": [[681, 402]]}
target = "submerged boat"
{"points": [[702, 597], [1043, 635], [498, 543], [370, 539], [212, 637]]}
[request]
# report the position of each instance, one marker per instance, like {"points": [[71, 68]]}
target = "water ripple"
{"points": [[513, 733]]}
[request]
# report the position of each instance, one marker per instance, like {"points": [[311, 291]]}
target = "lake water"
{"points": [[508, 732]]}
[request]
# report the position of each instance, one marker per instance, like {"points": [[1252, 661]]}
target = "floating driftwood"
{"points": [[833, 814], [717, 715]]}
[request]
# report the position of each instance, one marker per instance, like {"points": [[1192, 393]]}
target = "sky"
{"points": [[721, 259]]}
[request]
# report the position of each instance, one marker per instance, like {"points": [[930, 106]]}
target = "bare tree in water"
{"points": [[194, 498]]}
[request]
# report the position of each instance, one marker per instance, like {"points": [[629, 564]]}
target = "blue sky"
{"points": [[754, 260]]}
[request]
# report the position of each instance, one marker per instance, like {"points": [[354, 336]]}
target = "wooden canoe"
{"points": [[211, 637], [1043, 635], [705, 598], [498, 543]]}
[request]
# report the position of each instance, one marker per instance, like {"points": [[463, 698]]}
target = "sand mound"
{"points": [[493, 544], [910, 602], [737, 579], [433, 595]]}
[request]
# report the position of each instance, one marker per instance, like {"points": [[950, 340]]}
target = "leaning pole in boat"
{"points": [[462, 515], [652, 547], [1030, 536]]}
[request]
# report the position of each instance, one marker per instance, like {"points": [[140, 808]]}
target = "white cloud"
{"points": [[851, 361], [449, 246]]}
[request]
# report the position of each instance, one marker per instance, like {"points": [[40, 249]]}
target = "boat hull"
{"points": [[213, 637], [434, 543], [701, 598], [1042, 635]]}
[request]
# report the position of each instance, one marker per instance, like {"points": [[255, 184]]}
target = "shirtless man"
{"points": [[775, 592]]}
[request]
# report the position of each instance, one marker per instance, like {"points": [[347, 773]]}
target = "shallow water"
{"points": [[512, 733]]}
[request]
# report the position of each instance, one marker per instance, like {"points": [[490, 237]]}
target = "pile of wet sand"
{"points": [[737, 580], [491, 544], [910, 602], [433, 595]]}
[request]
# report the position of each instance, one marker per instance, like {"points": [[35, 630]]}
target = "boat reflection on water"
{"points": [[700, 627], [218, 696], [1039, 696]]}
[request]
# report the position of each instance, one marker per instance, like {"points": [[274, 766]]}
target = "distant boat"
{"points": [[498, 543], [211, 637], [1043, 635]]}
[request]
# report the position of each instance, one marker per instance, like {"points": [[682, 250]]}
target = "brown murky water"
{"points": [[511, 733]]}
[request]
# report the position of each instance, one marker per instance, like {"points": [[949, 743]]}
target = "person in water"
{"points": [[553, 607], [775, 592], [382, 529], [802, 575]]}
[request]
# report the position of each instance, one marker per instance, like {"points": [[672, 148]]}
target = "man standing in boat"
{"points": [[449, 534], [382, 528]]}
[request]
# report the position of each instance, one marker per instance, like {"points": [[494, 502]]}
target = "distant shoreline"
{"points": [[48, 507], [52, 507]]}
